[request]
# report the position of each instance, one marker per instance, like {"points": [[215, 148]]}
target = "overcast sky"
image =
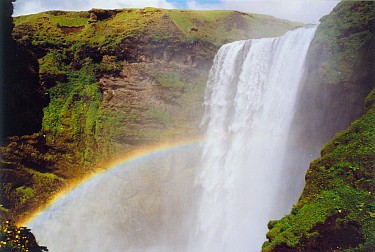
{"points": [[307, 11]]}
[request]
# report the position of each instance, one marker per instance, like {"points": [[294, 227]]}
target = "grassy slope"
{"points": [[216, 27], [170, 50]]}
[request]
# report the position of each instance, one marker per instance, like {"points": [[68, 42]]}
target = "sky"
{"points": [[306, 11]]}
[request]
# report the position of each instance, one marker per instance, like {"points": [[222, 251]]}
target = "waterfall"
{"points": [[152, 203], [249, 104]]}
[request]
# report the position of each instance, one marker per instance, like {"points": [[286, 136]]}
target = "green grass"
{"points": [[70, 21], [73, 112], [25, 193], [169, 80], [161, 115], [44, 175], [52, 63], [182, 20]]}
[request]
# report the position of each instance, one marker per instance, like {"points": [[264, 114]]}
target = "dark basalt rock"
{"points": [[100, 14]]}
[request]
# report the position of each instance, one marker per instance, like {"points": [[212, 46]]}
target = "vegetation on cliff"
{"points": [[336, 210], [18, 239]]}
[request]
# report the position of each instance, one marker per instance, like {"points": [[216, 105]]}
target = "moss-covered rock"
{"points": [[339, 72], [28, 175]]}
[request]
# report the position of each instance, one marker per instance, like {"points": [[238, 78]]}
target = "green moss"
{"points": [[161, 115], [75, 116], [169, 80], [370, 100], [70, 21], [53, 63], [302, 223], [25, 193], [109, 65], [44, 175], [73, 112]]}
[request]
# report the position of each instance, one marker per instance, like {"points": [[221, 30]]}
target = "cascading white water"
{"points": [[249, 104]]}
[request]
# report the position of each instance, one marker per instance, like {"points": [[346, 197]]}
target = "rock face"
{"points": [[336, 209], [152, 97]]}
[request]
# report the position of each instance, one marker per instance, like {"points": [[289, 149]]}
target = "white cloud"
{"points": [[30, 6], [307, 11], [23, 7]]}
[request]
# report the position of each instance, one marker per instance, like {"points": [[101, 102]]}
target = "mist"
{"points": [[141, 205]]}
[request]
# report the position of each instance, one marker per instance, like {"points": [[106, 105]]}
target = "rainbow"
{"points": [[138, 154]]}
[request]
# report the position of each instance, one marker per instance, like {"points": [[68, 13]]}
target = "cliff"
{"points": [[336, 209]]}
